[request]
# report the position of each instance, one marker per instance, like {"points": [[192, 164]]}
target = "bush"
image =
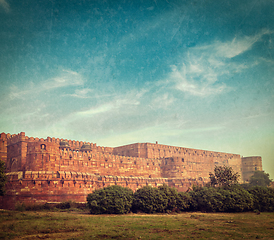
{"points": [[171, 196], [20, 207], [110, 200], [263, 198], [229, 199], [183, 201], [236, 199], [149, 200], [206, 199]]}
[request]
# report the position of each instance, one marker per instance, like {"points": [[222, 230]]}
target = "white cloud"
{"points": [[82, 93], [96, 110], [5, 5], [197, 80], [63, 79], [162, 101], [233, 48], [107, 109], [204, 67]]}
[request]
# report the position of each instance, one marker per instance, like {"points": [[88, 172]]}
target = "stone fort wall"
{"points": [[53, 169]]}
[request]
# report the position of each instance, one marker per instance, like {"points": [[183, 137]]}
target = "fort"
{"points": [[55, 170]]}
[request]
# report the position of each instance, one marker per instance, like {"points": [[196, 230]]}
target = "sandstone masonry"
{"points": [[56, 170]]}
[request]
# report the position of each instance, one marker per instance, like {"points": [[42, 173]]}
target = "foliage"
{"points": [[162, 199], [68, 205], [150, 200], [260, 178], [3, 178], [206, 199], [171, 195], [229, 199], [183, 201], [20, 207], [223, 176], [110, 200], [236, 199], [263, 198]]}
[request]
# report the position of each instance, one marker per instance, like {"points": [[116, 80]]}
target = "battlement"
{"points": [[14, 138]]}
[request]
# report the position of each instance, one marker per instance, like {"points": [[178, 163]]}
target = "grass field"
{"points": [[81, 225]]}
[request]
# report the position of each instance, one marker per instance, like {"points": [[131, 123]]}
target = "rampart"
{"points": [[52, 169]]}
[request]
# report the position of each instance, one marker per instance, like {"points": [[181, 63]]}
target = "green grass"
{"points": [[80, 225]]}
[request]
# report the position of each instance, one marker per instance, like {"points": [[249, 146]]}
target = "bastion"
{"points": [[55, 170]]}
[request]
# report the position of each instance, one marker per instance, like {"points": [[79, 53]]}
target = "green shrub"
{"points": [[35, 207], [223, 199], [149, 200], [110, 200], [236, 199], [183, 201], [206, 199], [171, 196], [64, 205], [20, 207], [263, 198]]}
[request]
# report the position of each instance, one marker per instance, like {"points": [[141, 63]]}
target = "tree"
{"points": [[260, 178], [3, 178], [223, 177]]}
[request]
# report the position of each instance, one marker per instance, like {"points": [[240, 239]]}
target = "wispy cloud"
{"points": [[81, 93], [96, 110], [235, 47], [203, 68], [197, 79], [162, 101], [113, 108], [4, 4], [63, 79]]}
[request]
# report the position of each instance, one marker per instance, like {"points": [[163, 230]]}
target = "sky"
{"points": [[196, 74]]}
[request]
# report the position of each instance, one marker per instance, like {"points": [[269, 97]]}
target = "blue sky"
{"points": [[196, 74]]}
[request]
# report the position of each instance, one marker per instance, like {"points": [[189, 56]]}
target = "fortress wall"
{"points": [[108, 164], [177, 167], [42, 170], [250, 165], [196, 163], [183, 162], [183, 184], [74, 145], [44, 155], [131, 150], [34, 187]]}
